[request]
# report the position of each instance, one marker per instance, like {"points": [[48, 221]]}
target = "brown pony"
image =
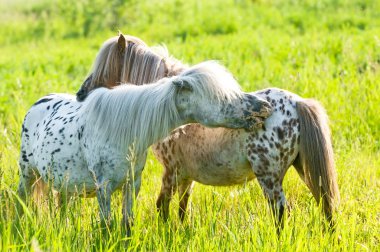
{"points": [[127, 59], [297, 133]]}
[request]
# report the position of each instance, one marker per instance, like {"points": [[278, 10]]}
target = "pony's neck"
{"points": [[159, 118], [133, 117]]}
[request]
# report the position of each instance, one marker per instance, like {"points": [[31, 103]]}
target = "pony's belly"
{"points": [[66, 171], [81, 184], [213, 156], [224, 174], [75, 180]]}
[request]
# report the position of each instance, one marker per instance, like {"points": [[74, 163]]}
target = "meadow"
{"points": [[328, 50]]}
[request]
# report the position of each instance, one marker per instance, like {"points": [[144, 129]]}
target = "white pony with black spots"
{"points": [[82, 147]]}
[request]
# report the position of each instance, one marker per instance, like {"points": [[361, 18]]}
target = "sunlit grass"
{"points": [[329, 50]]}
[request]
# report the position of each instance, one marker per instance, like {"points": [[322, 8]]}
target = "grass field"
{"points": [[328, 50]]}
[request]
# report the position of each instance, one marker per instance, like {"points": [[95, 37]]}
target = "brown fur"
{"points": [[223, 157], [316, 155], [127, 59]]}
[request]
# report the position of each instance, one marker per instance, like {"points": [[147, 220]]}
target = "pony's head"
{"points": [[208, 94], [127, 59]]}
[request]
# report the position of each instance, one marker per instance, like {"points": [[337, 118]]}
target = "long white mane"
{"points": [[211, 80], [130, 114], [141, 115]]}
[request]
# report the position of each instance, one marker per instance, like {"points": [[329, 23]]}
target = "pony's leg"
{"points": [[27, 178], [103, 195], [270, 179], [273, 191], [130, 192], [168, 188], [184, 191], [131, 189], [61, 200]]}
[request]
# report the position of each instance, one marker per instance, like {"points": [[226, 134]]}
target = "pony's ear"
{"points": [[84, 89], [182, 84], [121, 43]]}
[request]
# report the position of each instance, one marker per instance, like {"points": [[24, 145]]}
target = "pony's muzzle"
{"points": [[266, 109], [261, 110]]}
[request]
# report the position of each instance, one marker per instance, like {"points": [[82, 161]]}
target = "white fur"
{"points": [[82, 147]]}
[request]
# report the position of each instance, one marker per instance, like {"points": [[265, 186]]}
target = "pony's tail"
{"points": [[316, 155]]}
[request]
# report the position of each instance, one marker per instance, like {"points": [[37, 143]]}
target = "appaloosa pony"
{"points": [[81, 147], [297, 134]]}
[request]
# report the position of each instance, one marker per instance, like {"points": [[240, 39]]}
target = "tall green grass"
{"points": [[328, 50]]}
